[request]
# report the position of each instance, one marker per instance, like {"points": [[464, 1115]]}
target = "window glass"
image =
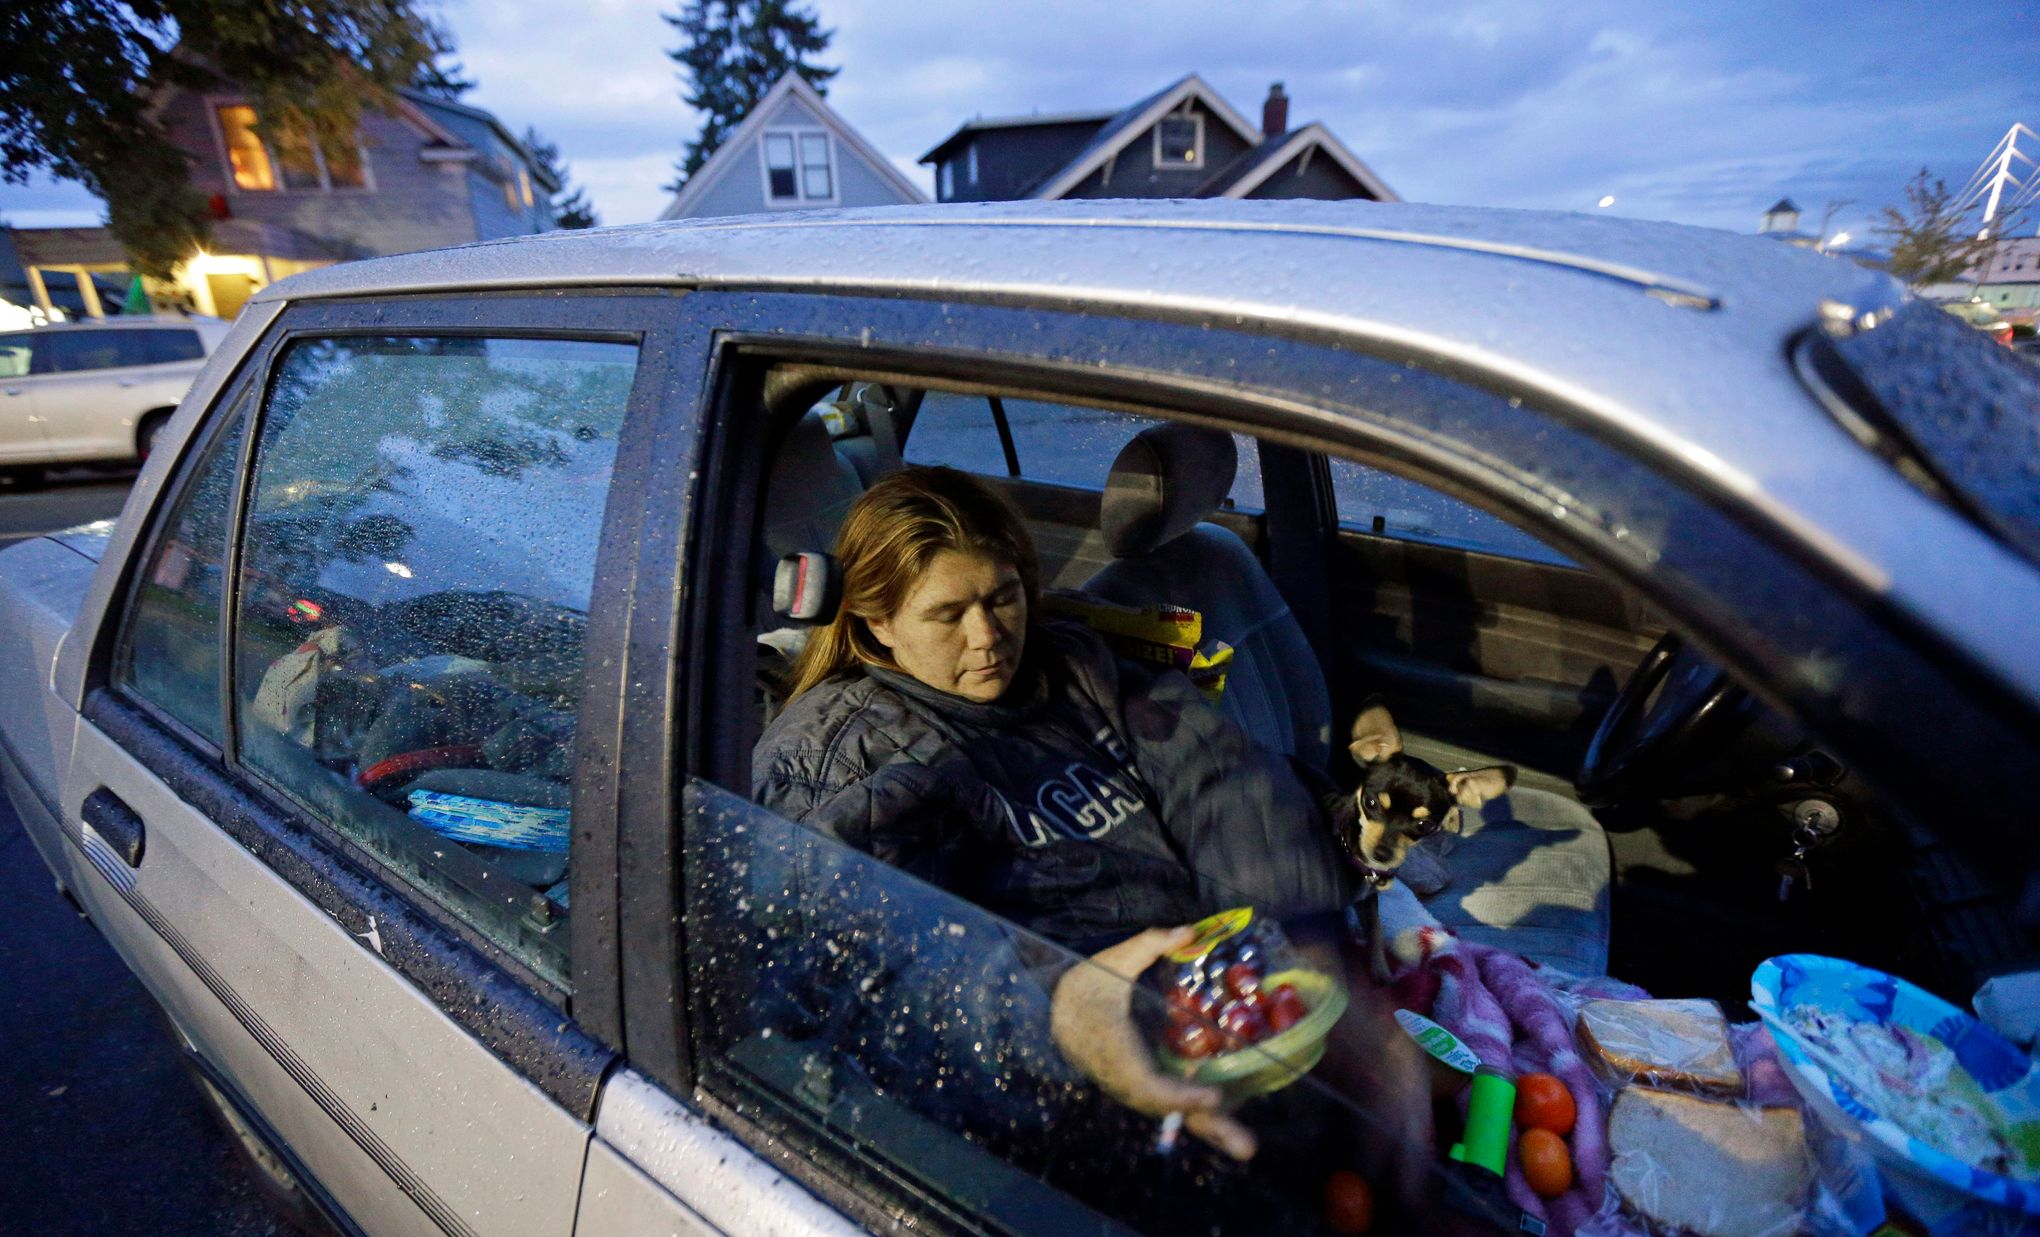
{"points": [[163, 347], [414, 589], [779, 165], [1374, 501], [246, 156], [343, 167], [76, 351], [1060, 443], [169, 654], [296, 160], [1177, 141], [948, 174], [14, 355], [884, 1014], [814, 165]]}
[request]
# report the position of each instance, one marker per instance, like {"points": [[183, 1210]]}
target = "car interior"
{"points": [[1665, 827], [1699, 835]]}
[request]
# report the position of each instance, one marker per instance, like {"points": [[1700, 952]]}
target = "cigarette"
{"points": [[1172, 1128]]}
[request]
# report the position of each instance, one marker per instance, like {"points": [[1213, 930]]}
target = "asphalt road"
{"points": [[105, 1133]]}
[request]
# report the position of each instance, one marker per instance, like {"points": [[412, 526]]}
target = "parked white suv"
{"points": [[96, 390]]}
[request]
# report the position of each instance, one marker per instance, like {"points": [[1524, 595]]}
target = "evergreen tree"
{"points": [[570, 210], [442, 81], [1932, 239], [734, 51], [74, 95]]}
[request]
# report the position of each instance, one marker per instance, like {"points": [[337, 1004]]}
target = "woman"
{"points": [[939, 724]]}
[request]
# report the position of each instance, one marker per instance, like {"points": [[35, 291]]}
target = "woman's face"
{"points": [[962, 626]]}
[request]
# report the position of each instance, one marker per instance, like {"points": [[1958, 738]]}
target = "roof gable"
{"points": [[1127, 127], [1253, 169], [739, 144]]}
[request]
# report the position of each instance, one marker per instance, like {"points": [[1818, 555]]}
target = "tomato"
{"points": [[1544, 1103], [1191, 1038], [1242, 1023], [1349, 1203], [1547, 1165], [1285, 1008], [1242, 979]]}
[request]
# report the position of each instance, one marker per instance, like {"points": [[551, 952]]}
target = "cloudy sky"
{"points": [[1703, 113]]}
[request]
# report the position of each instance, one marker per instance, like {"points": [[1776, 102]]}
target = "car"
{"points": [[96, 390], [1983, 316], [398, 734]]}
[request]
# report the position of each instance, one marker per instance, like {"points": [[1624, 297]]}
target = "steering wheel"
{"points": [[1675, 703]]}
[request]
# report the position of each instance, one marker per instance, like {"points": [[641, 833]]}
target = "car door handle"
{"points": [[129, 382], [117, 823], [14, 390]]}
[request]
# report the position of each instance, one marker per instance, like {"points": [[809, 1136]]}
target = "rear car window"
{"points": [[414, 588], [15, 351], [113, 348]]}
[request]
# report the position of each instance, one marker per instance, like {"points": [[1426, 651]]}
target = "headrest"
{"points": [[807, 587], [809, 492], [1164, 482]]}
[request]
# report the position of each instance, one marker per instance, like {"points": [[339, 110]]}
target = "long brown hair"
{"points": [[889, 538]]}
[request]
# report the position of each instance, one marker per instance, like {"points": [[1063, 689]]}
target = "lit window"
{"points": [[289, 161], [970, 159], [524, 184], [779, 171], [814, 167], [245, 155], [1179, 142], [948, 175]]}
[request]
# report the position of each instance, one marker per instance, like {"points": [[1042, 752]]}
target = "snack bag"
{"points": [[1164, 634]]}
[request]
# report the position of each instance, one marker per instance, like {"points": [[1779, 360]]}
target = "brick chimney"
{"points": [[1275, 112]]}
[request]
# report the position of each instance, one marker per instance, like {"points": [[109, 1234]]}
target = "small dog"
{"points": [[1401, 801]]}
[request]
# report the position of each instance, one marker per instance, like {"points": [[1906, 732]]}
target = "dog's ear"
{"points": [[1473, 787], [1375, 737]]}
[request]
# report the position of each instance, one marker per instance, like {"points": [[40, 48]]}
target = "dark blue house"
{"points": [[1183, 141]]}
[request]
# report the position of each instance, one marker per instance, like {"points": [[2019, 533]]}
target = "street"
{"points": [[108, 1135]]}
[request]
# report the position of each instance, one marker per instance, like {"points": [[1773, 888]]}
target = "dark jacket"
{"points": [[1096, 798]]}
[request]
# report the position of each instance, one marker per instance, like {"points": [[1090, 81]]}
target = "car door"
{"points": [[23, 360], [104, 379], [337, 741]]}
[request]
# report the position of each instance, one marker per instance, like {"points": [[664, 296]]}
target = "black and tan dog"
{"points": [[1401, 800]]}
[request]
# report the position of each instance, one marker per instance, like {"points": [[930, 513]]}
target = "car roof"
{"points": [[1667, 336]]}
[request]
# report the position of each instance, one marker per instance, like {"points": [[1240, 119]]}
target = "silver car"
{"points": [[398, 734], [98, 390]]}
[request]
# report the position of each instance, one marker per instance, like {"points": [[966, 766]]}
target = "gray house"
{"points": [[1183, 141], [425, 174], [792, 152]]}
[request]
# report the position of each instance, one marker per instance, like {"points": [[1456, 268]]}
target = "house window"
{"points": [[246, 158], [1179, 142], [970, 162], [798, 167], [948, 175], [287, 161]]}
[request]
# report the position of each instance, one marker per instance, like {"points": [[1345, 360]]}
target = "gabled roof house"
{"points": [[791, 152], [423, 173], [1183, 141]]}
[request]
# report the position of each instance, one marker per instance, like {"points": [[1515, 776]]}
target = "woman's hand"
{"points": [[1091, 1019]]}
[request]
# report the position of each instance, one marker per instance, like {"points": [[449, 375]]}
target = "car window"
{"points": [[169, 653], [76, 351], [1059, 443], [1370, 500], [414, 587], [14, 355], [161, 347], [915, 1026]]}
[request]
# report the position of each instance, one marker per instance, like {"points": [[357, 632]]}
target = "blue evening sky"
{"points": [[1701, 113]]}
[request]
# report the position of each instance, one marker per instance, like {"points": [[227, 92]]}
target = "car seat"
{"points": [[808, 492], [1530, 872], [1164, 484]]}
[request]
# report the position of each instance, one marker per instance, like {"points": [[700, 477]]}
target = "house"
{"points": [[791, 152], [2008, 278], [1183, 141], [422, 175]]}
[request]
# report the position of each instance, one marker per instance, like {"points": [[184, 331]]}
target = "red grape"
{"points": [[1242, 979], [1242, 1023], [1285, 1008]]}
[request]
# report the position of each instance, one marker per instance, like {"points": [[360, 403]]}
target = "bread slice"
{"points": [[1690, 1165], [1678, 1044]]}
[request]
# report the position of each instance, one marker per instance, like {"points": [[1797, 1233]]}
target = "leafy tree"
{"points": [[80, 74], [735, 51], [442, 81], [1933, 240], [570, 210]]}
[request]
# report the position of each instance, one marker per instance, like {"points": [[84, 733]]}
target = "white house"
{"points": [[793, 152]]}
